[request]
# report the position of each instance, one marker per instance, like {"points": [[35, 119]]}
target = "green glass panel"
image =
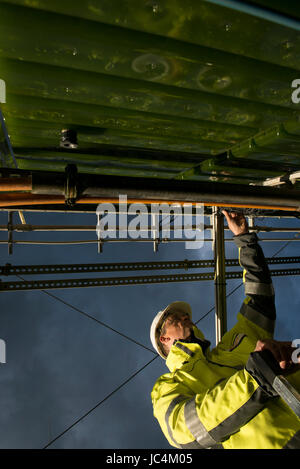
{"points": [[193, 21], [174, 76], [45, 81], [78, 115], [34, 133], [118, 51]]}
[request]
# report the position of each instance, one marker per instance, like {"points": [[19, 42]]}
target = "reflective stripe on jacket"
{"points": [[209, 400]]}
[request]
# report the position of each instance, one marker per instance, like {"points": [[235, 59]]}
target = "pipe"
{"points": [[15, 184], [54, 188], [9, 200]]}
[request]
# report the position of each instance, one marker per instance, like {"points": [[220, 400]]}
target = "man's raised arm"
{"points": [[259, 304]]}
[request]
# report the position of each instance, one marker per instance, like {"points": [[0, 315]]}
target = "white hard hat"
{"points": [[160, 318]]}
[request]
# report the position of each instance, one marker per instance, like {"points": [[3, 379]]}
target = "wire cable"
{"points": [[99, 403], [109, 395], [93, 318], [285, 245], [213, 307]]}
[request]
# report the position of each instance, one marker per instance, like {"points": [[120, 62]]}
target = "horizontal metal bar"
{"points": [[118, 281], [90, 209], [128, 266], [92, 228], [27, 227], [160, 241]]}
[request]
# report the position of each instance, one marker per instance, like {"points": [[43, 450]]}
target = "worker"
{"points": [[218, 398]]}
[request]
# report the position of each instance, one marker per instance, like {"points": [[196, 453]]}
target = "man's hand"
{"points": [[237, 223], [282, 351]]}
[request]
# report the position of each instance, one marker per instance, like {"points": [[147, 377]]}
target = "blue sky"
{"points": [[60, 363]]}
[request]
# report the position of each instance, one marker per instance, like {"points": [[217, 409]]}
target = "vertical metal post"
{"points": [[250, 222], [99, 244], [155, 232], [10, 232], [220, 283]]}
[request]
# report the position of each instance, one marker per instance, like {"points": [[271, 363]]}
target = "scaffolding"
{"points": [[217, 238]]}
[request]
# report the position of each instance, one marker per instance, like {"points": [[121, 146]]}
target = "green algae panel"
{"points": [[192, 78], [193, 21], [117, 51]]}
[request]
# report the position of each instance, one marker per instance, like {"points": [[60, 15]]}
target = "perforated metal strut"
{"points": [[186, 264], [118, 281]]}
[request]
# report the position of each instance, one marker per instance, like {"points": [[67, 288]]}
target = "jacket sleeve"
{"points": [[206, 419], [259, 304], [257, 314]]}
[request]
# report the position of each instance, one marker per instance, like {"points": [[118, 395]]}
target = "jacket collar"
{"points": [[182, 351]]}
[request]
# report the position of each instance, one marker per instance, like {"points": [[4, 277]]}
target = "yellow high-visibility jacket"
{"points": [[209, 399]]}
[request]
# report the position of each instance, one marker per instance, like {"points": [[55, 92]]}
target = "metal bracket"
{"points": [[155, 245], [69, 139], [288, 178], [70, 189], [6, 269], [294, 176]]}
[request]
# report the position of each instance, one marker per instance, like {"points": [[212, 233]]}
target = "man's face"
{"points": [[177, 326]]}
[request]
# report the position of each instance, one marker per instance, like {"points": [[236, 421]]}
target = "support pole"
{"points": [[10, 232], [220, 275]]}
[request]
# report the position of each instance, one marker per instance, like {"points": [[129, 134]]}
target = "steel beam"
{"points": [[118, 281], [40, 269]]}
